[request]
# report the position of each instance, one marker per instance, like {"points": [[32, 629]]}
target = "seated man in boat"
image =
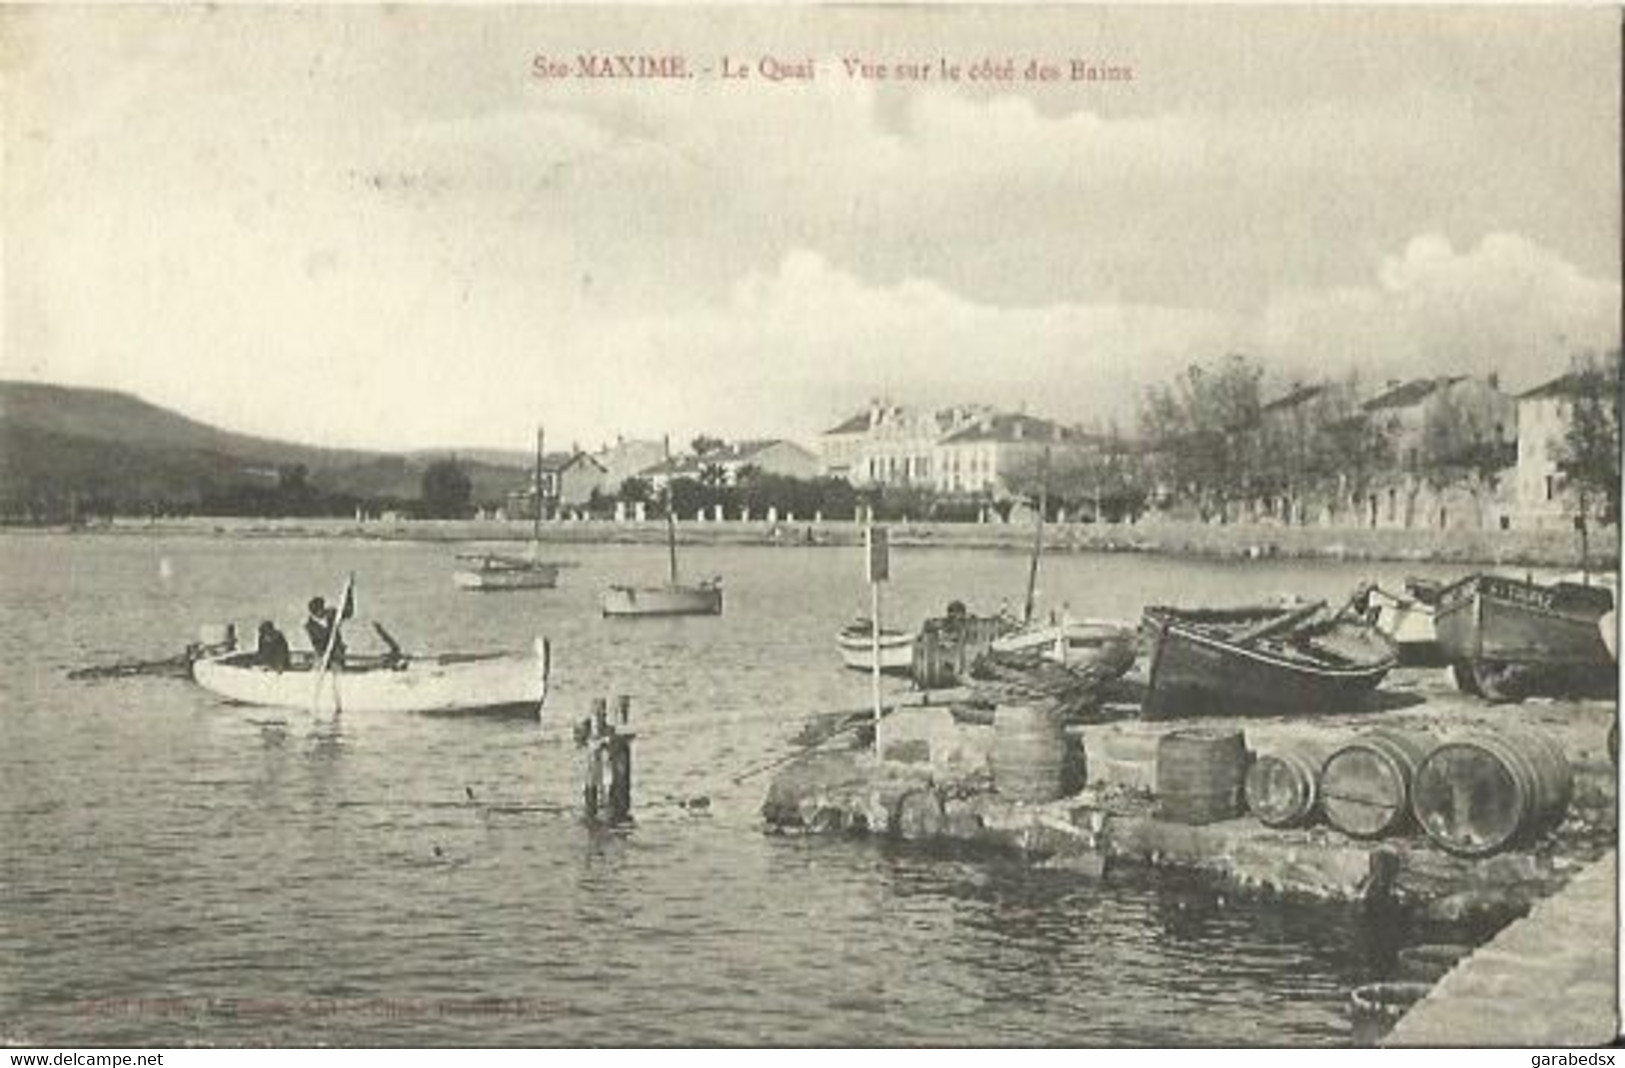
{"points": [[272, 650], [321, 627]]}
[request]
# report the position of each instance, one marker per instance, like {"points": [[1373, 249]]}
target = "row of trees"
{"points": [[1211, 443]]}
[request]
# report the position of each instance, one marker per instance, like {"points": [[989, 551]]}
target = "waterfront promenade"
{"points": [[1547, 980], [1156, 536]]}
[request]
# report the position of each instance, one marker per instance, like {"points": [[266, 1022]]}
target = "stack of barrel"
{"points": [[1472, 795]]}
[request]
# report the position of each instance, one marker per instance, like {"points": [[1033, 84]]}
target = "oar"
{"points": [[395, 652], [327, 653]]}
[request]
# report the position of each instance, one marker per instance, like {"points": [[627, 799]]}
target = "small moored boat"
{"points": [[497, 572], [487, 683], [703, 599], [674, 598], [856, 642], [1264, 660]]}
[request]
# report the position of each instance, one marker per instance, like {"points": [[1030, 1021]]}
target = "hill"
{"points": [[64, 447]]}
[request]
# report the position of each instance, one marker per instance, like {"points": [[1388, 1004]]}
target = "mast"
{"points": [[1038, 535], [671, 517], [536, 520]]}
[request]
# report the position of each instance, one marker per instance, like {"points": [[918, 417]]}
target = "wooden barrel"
{"points": [[1029, 752], [1283, 784], [1200, 775], [1483, 792], [1365, 786]]}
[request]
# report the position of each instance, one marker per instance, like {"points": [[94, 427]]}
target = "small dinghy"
{"points": [[856, 642]]}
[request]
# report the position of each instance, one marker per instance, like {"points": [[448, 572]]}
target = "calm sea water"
{"points": [[172, 872]]}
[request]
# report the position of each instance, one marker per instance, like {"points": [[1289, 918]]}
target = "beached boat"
{"points": [[1105, 644], [1265, 660], [1408, 619], [1506, 637], [493, 572], [674, 598], [856, 642], [465, 684]]}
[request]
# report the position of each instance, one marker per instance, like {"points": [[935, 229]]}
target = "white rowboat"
{"points": [[856, 643], [496, 683]]}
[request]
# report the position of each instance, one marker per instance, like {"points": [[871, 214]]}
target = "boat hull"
{"points": [[623, 601], [497, 684], [531, 577], [1491, 617], [896, 651], [1090, 643], [1195, 672]]}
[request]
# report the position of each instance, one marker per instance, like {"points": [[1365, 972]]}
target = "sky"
{"points": [[377, 227]]}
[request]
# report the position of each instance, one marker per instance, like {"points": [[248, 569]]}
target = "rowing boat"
{"points": [[1265, 660], [466, 684], [856, 642]]}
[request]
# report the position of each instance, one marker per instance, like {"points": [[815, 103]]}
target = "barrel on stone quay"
{"points": [[1486, 791], [1283, 783], [1201, 774], [1365, 785], [1029, 752]]}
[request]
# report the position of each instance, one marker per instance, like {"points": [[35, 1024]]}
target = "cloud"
{"points": [[1506, 305]]}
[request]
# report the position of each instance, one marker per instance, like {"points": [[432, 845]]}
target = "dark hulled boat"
{"points": [[1504, 636], [1261, 660]]}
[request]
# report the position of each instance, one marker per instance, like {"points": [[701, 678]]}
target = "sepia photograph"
{"points": [[881, 525]]}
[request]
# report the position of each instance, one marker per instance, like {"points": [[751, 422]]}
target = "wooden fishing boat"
{"points": [[1106, 644], [488, 683], [1407, 618], [674, 598], [856, 642], [1263, 660], [702, 599], [1505, 637], [494, 572]]}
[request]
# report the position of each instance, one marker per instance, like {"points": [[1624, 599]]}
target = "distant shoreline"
{"points": [[1547, 548]]}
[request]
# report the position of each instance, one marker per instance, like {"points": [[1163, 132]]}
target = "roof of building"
{"points": [[857, 424], [1567, 385], [730, 454], [563, 461], [1408, 394], [1013, 427], [1300, 395]]}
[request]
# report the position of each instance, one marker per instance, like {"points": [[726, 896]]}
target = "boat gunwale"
{"points": [[1168, 624]]}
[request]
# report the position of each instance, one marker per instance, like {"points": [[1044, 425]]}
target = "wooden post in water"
{"points": [[592, 792], [618, 746], [606, 792]]}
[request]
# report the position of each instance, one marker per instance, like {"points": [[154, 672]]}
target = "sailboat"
{"points": [[505, 571], [674, 598], [1096, 644]]}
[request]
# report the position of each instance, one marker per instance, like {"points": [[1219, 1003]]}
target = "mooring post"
{"points": [[620, 762], [592, 792]]}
